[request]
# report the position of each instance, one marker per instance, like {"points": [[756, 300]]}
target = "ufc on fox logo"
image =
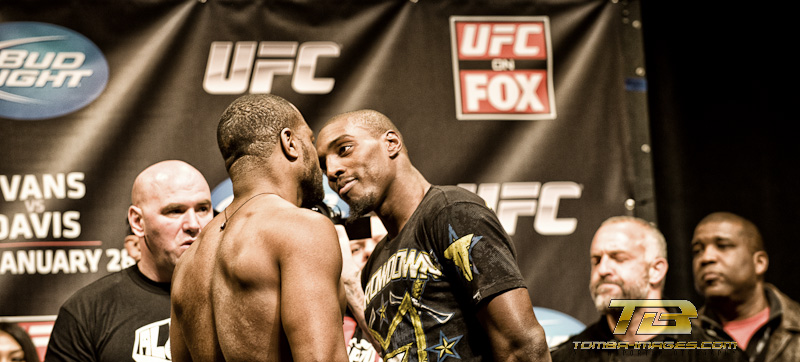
{"points": [[502, 68]]}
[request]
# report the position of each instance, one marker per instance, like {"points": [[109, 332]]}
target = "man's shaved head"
{"points": [[375, 122], [152, 180], [251, 126], [747, 230], [170, 204]]}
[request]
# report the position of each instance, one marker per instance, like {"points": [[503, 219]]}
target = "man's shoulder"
{"points": [[441, 197], [103, 285], [453, 194], [291, 228], [790, 308], [98, 293]]}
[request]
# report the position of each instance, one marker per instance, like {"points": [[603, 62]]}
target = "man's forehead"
{"points": [[341, 128], [617, 237], [717, 229], [167, 189]]}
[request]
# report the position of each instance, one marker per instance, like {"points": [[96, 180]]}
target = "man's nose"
{"points": [[603, 267], [708, 255], [191, 222], [333, 169]]}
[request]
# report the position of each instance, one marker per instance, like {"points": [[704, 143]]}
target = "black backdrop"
{"points": [[722, 95]]}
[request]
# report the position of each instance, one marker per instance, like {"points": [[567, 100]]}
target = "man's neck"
{"points": [[402, 199], [250, 180], [750, 304], [151, 272]]}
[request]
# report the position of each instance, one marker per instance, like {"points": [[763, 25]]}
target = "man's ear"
{"points": [[289, 144], [136, 220], [658, 271], [761, 262], [393, 143]]}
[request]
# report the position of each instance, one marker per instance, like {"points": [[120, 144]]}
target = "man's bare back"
{"points": [[268, 281]]}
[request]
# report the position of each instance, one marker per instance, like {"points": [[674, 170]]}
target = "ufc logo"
{"points": [[254, 66], [501, 40], [683, 323], [511, 200]]}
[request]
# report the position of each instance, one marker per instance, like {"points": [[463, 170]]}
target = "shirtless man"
{"points": [[262, 282]]}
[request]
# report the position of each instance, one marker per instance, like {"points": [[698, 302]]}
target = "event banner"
{"points": [[533, 105]]}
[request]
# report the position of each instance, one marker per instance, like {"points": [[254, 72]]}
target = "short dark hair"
{"points": [[375, 122], [24, 340], [749, 231], [251, 126]]}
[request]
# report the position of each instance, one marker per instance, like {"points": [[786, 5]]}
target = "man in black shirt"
{"points": [[125, 316], [444, 282]]}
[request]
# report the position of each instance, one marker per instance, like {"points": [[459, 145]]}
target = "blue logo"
{"points": [[47, 71], [558, 326]]}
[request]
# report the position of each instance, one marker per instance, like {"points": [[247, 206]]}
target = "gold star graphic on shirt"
{"points": [[446, 347]]}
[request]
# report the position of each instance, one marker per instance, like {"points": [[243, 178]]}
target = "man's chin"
{"points": [[715, 291], [359, 207], [601, 302]]}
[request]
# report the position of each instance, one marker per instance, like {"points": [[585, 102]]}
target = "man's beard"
{"points": [[360, 207], [311, 184], [636, 289]]}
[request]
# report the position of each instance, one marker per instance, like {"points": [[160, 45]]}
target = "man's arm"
{"points": [[481, 255], [179, 350], [351, 277], [310, 267], [514, 332]]}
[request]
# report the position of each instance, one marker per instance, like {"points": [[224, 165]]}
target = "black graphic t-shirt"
{"points": [[423, 288], [123, 316]]}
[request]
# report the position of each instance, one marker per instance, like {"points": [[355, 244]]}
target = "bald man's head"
{"points": [[171, 203], [744, 228]]}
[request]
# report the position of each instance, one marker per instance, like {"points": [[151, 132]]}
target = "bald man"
{"points": [[729, 264], [444, 283], [263, 281], [125, 316]]}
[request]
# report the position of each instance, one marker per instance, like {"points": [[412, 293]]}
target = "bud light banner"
{"points": [[527, 104]]}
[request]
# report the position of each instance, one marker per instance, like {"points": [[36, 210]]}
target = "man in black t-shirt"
{"points": [[125, 316], [444, 282]]}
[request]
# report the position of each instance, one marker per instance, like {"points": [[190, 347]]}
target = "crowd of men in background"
{"points": [[266, 281]]}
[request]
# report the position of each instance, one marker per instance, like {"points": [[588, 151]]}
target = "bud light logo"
{"points": [[47, 71]]}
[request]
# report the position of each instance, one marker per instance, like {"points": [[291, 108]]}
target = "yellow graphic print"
{"points": [[446, 348], [406, 308], [459, 252], [398, 355]]}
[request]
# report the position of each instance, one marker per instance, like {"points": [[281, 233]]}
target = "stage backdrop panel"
{"points": [[536, 106]]}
